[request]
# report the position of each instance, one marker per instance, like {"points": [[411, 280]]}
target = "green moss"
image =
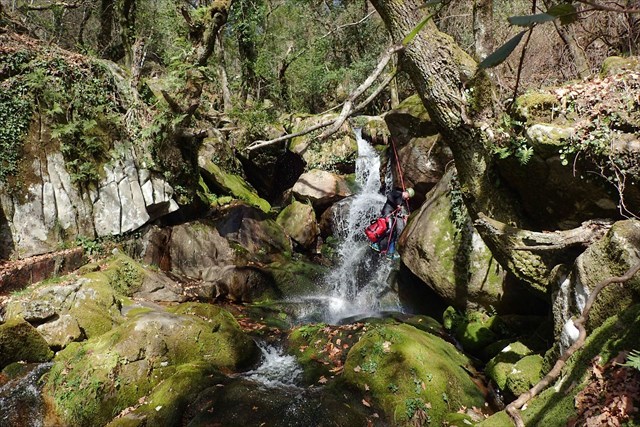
{"points": [[554, 407], [536, 106], [403, 367], [525, 374], [499, 367], [236, 186], [19, 341], [167, 401], [616, 64], [92, 382], [296, 277]]}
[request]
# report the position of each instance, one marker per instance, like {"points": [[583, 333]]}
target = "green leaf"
{"points": [[529, 20], [416, 30], [565, 11], [502, 53]]}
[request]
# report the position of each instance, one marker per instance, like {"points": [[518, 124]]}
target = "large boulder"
{"points": [[79, 307], [19, 341], [321, 188], [422, 153], [611, 256], [441, 247], [65, 175], [411, 374], [299, 221], [151, 362]]}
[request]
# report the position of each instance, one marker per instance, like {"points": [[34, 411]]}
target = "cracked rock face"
{"points": [[53, 209]]}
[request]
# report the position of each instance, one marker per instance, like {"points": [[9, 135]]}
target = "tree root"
{"points": [[513, 409], [519, 250]]}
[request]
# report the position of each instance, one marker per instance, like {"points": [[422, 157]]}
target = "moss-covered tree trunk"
{"points": [[460, 102]]}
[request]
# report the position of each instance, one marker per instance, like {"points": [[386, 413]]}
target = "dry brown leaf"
{"points": [[365, 403]]}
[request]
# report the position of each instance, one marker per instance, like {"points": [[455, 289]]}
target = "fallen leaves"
{"points": [[611, 397]]}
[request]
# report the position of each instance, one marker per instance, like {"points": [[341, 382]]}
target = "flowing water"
{"points": [[359, 284]]}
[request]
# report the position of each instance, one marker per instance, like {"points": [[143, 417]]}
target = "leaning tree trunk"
{"points": [[459, 100]]}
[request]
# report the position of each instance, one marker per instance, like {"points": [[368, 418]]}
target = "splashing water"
{"points": [[276, 370]]}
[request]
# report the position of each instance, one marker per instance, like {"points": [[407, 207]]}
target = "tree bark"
{"points": [[459, 100], [483, 28], [224, 81], [568, 35]]}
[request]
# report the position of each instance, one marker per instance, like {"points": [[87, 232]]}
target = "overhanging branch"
{"points": [[348, 108]]}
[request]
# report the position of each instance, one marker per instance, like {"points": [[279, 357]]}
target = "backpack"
{"points": [[376, 230]]}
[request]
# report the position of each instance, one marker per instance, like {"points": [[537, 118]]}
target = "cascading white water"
{"points": [[359, 282], [277, 369]]}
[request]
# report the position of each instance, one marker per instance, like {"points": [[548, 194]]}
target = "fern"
{"points": [[633, 360]]}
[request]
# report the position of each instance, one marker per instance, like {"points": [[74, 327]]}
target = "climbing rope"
{"points": [[399, 167]]}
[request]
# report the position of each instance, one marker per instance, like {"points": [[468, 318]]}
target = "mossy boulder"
{"points": [[82, 307], [616, 64], [440, 246], [222, 182], [19, 341], [526, 372], [299, 221], [555, 406], [502, 365], [91, 382], [536, 106], [610, 256], [411, 374], [322, 349], [296, 277], [476, 333]]}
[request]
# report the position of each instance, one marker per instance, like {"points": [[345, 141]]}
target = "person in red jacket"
{"points": [[395, 211]]}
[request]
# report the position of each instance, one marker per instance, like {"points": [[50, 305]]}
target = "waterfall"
{"points": [[359, 282]]}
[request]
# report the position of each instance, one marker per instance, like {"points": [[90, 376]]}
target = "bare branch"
{"points": [[63, 5], [513, 409], [347, 109], [258, 144], [605, 8]]}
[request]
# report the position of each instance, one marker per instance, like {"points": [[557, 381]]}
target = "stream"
{"points": [[358, 286]]}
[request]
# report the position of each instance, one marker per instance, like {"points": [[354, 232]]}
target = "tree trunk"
{"points": [[224, 81], [460, 103], [568, 35], [106, 25], [482, 28]]}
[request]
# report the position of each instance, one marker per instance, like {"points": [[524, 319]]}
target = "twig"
{"points": [[513, 408]]}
